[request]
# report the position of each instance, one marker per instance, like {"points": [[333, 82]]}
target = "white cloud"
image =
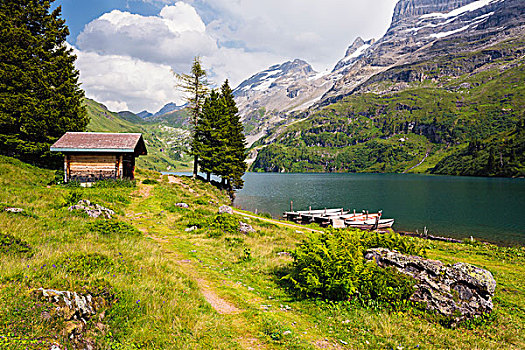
{"points": [[125, 59], [173, 38], [125, 83], [317, 31]]}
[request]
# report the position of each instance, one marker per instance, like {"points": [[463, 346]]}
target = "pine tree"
{"points": [[40, 96], [195, 85], [210, 136], [236, 142]]}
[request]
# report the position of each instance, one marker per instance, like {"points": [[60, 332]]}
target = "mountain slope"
{"points": [[449, 92], [272, 96], [167, 145]]}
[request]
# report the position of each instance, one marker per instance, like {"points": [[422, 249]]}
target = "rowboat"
{"points": [[370, 224]]}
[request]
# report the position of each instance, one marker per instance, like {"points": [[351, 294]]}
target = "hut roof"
{"points": [[101, 142]]}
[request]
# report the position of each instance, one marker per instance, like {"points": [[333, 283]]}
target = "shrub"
{"points": [[201, 201], [11, 244], [384, 287], [150, 182], [73, 196], [392, 241], [223, 223], [112, 227], [330, 266], [326, 266]]}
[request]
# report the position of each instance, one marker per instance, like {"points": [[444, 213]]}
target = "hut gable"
{"points": [[90, 157]]}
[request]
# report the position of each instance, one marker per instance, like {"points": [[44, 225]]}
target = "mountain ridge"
{"points": [[440, 56]]}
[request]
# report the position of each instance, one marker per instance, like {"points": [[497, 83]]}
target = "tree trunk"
{"points": [[195, 166], [208, 176]]}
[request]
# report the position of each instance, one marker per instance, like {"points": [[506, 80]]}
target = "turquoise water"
{"points": [[486, 208]]}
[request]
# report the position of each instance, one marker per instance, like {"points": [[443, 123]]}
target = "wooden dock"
{"points": [[339, 218]]}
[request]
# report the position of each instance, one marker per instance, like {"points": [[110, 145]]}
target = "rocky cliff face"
{"points": [[422, 31], [266, 97], [413, 8]]}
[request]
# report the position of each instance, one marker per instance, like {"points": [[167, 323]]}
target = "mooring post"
{"points": [[366, 218], [291, 205]]}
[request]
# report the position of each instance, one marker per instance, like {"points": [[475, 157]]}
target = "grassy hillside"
{"points": [[390, 123], [186, 280], [166, 144]]}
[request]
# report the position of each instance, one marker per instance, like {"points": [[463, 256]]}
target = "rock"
{"points": [[70, 305], [225, 210], [93, 210], [460, 291], [245, 228], [182, 205], [14, 210]]}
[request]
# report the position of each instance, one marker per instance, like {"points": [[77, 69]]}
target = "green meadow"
{"points": [[186, 278]]}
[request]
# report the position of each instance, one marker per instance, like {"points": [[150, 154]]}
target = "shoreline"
{"points": [[401, 232]]}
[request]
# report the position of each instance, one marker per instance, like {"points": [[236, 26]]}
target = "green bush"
{"points": [[150, 182], [201, 201], [221, 224], [112, 227], [384, 287], [9, 244], [391, 241], [73, 196], [330, 266], [326, 266]]}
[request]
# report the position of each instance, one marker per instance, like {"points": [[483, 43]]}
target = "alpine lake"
{"points": [[489, 209]]}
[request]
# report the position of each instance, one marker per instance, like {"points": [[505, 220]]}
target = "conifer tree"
{"points": [[210, 135], [40, 96], [195, 85], [235, 165]]}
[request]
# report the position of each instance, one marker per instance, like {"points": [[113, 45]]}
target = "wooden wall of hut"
{"points": [[91, 167]]}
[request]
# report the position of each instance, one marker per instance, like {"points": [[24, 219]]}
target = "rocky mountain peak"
{"points": [[414, 8], [354, 52]]}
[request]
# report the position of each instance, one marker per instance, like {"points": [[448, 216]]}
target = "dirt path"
{"points": [[175, 180], [279, 223], [220, 305]]}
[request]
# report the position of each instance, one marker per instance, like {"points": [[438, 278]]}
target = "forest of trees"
{"points": [[40, 96], [218, 143]]}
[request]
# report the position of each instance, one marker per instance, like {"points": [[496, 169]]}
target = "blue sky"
{"points": [[128, 49]]}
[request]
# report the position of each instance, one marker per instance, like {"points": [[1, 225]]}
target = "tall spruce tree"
{"points": [[40, 96], [195, 85], [210, 135], [234, 160]]}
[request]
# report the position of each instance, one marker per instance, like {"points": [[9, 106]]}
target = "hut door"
{"points": [[128, 166]]}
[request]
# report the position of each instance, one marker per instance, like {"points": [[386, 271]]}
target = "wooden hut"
{"points": [[91, 156]]}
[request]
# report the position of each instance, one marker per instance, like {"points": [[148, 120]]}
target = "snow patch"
{"points": [[475, 21], [265, 85], [318, 76], [357, 53], [473, 6], [445, 34]]}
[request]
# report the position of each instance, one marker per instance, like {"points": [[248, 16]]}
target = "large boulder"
{"points": [[92, 210], [225, 210], [460, 291]]}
